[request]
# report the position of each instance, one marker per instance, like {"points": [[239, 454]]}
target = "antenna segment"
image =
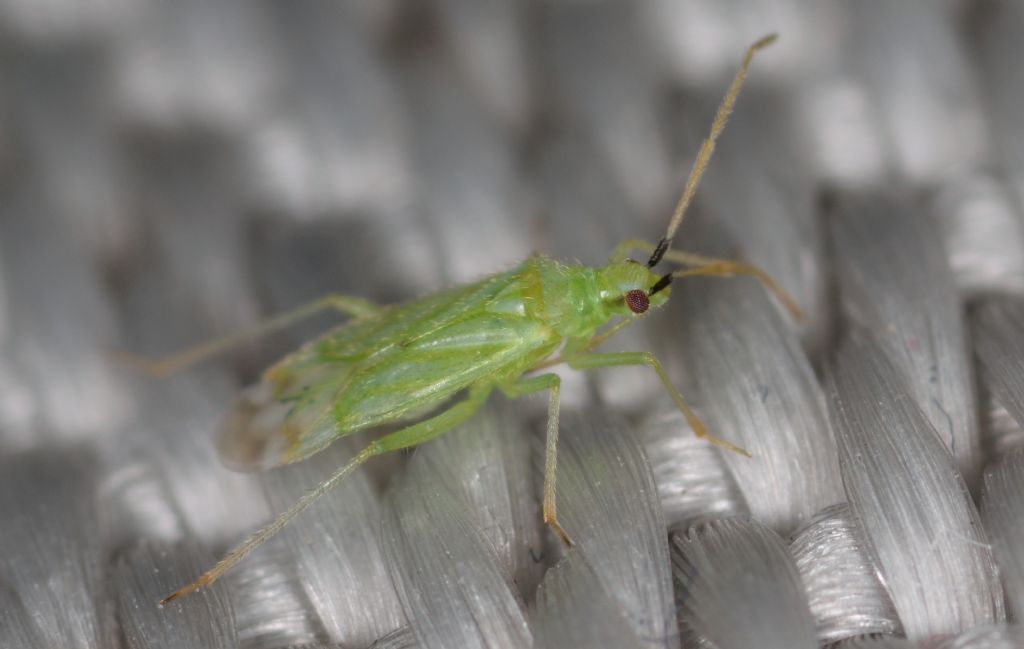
{"points": [[707, 148]]}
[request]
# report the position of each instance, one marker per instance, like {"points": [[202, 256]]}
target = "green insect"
{"points": [[394, 363]]}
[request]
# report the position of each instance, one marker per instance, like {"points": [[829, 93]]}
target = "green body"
{"points": [[399, 363], [411, 359]]}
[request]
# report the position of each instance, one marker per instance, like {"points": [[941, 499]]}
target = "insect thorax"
{"points": [[576, 300]]}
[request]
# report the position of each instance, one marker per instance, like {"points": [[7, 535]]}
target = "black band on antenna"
{"points": [[661, 284], [658, 253]]}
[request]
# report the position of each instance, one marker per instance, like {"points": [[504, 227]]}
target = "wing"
{"points": [[294, 410], [406, 323], [289, 404], [488, 347]]}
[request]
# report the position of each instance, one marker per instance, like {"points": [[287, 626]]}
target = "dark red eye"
{"points": [[637, 301]]}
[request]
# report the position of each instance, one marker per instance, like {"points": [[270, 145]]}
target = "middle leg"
{"points": [[552, 384], [617, 359], [355, 307]]}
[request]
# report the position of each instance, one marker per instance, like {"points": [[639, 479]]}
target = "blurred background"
{"points": [[175, 171]]}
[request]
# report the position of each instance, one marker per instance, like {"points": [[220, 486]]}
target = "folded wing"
{"points": [[374, 371]]}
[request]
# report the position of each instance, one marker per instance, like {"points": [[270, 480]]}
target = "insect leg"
{"points": [[553, 384], [576, 348], [404, 438], [437, 425], [599, 339], [621, 251], [349, 305], [614, 359]]}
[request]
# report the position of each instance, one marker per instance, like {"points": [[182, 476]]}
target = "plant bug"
{"points": [[389, 364]]}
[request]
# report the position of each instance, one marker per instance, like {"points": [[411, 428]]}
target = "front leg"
{"points": [[553, 384], [621, 251], [616, 359]]}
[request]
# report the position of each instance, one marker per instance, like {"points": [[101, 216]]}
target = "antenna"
{"points": [[706, 149]]}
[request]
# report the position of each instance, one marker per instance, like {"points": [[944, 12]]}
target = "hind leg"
{"points": [[352, 306], [404, 438]]}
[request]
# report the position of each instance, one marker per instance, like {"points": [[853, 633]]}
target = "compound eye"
{"points": [[637, 301]]}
